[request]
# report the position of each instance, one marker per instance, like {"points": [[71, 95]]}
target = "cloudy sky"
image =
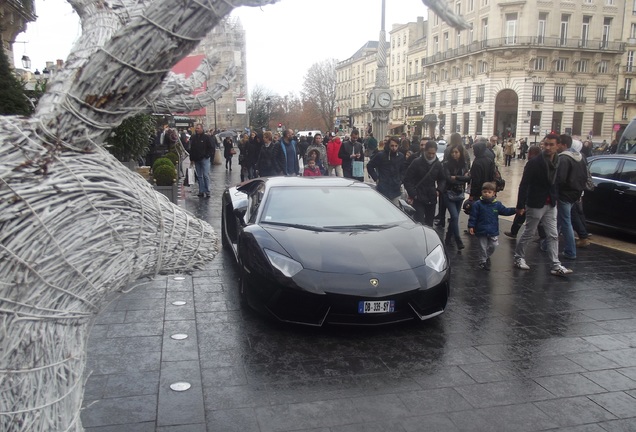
{"points": [[283, 40]]}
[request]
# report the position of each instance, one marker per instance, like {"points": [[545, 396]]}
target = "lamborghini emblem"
{"points": [[374, 282]]}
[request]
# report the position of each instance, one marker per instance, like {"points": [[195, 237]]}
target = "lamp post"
{"points": [[215, 128], [268, 102], [229, 117]]}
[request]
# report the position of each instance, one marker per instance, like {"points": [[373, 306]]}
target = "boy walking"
{"points": [[484, 222]]}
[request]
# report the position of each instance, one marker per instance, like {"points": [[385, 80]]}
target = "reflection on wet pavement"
{"points": [[515, 351]]}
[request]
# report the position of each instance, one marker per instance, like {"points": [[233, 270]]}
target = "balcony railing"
{"points": [[626, 97], [467, 100], [559, 99], [453, 101], [580, 99], [416, 76], [432, 104], [411, 99], [601, 100], [480, 99], [538, 98], [629, 69], [442, 103], [526, 41]]}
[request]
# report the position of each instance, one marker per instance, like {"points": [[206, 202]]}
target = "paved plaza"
{"points": [[515, 351]]}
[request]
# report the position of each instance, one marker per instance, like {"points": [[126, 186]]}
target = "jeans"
{"points": [[454, 207], [203, 175], [578, 220], [564, 226], [547, 216]]}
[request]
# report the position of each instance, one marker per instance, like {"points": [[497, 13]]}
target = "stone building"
{"points": [[626, 97], [14, 16], [227, 42], [525, 65]]}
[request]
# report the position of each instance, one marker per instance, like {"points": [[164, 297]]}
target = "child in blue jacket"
{"points": [[484, 222]]}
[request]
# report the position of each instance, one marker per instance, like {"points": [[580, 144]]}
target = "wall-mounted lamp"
{"points": [[26, 62]]}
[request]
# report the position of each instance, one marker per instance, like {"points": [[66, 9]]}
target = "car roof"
{"points": [[330, 181], [613, 156]]}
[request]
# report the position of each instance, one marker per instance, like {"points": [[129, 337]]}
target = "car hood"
{"points": [[402, 247]]}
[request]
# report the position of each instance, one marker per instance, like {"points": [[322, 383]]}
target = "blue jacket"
{"points": [[484, 216]]}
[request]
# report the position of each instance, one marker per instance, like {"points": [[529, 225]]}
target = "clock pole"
{"points": [[379, 110]]}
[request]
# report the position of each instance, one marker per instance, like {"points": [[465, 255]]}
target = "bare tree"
{"points": [[260, 107], [319, 88]]}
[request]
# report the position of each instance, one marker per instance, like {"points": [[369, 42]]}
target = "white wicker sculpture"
{"points": [[75, 225]]}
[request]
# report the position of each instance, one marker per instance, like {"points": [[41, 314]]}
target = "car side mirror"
{"points": [[239, 213]]}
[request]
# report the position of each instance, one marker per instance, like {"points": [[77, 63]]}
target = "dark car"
{"points": [[627, 143], [317, 250], [612, 203]]}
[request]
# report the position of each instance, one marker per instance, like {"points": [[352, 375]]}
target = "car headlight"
{"points": [[284, 264], [436, 259]]}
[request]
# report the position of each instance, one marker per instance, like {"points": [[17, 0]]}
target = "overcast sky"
{"points": [[283, 40]]}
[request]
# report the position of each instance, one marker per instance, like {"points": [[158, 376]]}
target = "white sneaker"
{"points": [[520, 263], [560, 271]]}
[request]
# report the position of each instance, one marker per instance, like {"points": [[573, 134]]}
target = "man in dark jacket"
{"points": [[350, 151], [286, 150], [201, 152], [424, 180], [482, 170], [571, 179], [537, 199], [386, 170]]}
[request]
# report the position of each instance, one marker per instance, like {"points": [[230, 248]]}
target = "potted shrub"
{"points": [[129, 142], [164, 176]]}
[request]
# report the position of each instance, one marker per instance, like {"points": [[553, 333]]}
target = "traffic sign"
{"points": [[337, 122]]}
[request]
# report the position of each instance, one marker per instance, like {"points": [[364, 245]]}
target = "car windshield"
{"points": [[351, 207]]}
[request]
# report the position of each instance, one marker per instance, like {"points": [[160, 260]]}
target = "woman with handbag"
{"points": [[228, 152], [457, 175]]}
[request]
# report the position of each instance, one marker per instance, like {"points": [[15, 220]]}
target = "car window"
{"points": [[255, 201], [628, 174], [329, 206], [604, 168]]}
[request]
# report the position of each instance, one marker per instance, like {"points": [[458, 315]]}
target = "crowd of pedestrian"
{"points": [[548, 199]]}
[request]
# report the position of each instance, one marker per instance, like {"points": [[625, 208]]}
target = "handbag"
{"points": [[499, 180], [232, 151], [357, 169], [455, 196]]}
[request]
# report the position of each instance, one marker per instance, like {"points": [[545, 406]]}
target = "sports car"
{"points": [[329, 250]]}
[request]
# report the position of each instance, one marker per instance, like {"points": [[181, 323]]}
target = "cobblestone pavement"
{"points": [[515, 351]]}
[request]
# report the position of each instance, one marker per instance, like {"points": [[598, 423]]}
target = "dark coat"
{"points": [[537, 188], [457, 170], [571, 176], [253, 149], [228, 145], [280, 155], [201, 147], [346, 150], [269, 161], [420, 185], [484, 216], [388, 169], [482, 170]]}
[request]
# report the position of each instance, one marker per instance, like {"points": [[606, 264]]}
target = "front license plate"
{"points": [[382, 306]]}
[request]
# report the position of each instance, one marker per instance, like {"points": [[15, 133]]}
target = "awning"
{"points": [[430, 118]]}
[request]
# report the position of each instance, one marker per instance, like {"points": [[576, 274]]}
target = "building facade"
{"points": [[355, 76], [227, 42], [525, 66], [14, 16], [626, 97]]}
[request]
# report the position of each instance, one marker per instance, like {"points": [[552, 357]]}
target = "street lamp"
{"points": [[268, 101], [215, 128], [26, 62], [229, 117]]}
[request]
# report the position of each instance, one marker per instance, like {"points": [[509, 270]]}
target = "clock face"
{"points": [[384, 99], [371, 99]]}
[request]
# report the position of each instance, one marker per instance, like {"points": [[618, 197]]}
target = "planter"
{"points": [[131, 165], [172, 192]]}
